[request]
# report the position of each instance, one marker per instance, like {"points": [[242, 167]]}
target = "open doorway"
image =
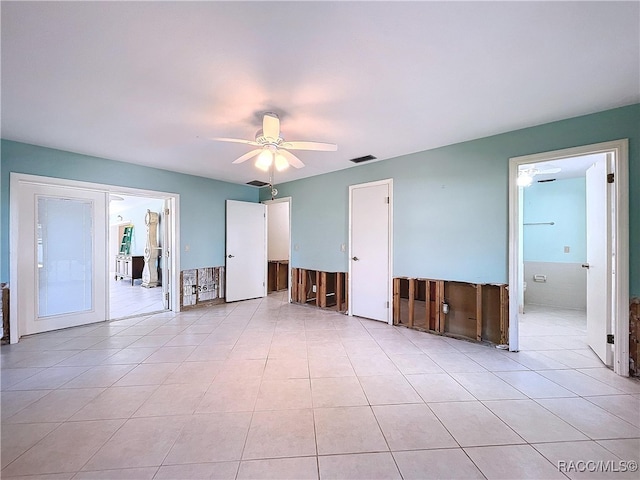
{"points": [[554, 317], [129, 252], [279, 246], [568, 267]]}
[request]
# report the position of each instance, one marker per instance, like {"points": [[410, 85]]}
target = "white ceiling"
{"points": [[141, 81]]}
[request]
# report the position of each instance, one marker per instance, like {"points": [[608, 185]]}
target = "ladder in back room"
{"points": [[125, 243]]}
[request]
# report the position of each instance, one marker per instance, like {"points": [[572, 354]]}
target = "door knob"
{"points": [[355, 259], [585, 265], [230, 256]]}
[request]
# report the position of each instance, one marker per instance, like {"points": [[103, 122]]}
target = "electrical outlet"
{"points": [[567, 249], [343, 248], [314, 289], [187, 248], [296, 247]]}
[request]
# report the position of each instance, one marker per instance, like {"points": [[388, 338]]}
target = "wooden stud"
{"points": [[412, 298], [321, 290], [396, 301], [427, 301], [339, 284], [346, 291], [294, 284], [302, 289], [440, 301], [504, 315], [479, 312]]}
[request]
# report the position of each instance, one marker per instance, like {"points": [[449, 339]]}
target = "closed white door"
{"points": [[61, 257], [246, 266], [598, 265], [369, 250]]}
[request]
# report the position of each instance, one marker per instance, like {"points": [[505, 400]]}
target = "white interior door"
{"points": [[598, 265], [369, 251], [62, 257], [246, 269]]}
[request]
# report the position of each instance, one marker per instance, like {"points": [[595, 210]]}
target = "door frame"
{"points": [[389, 182], [16, 179], [268, 202], [620, 198]]}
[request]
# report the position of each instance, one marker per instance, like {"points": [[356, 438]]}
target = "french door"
{"points": [[61, 257]]}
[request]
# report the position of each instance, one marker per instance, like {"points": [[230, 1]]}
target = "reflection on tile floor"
{"points": [[264, 389]]}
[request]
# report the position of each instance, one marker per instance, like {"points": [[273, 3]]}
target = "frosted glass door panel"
{"points": [[62, 259], [65, 256]]}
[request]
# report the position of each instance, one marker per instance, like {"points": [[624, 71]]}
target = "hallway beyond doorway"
{"points": [[126, 300]]}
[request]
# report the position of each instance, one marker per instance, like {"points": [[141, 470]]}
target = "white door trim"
{"points": [[281, 200], [16, 179], [389, 182], [621, 221]]}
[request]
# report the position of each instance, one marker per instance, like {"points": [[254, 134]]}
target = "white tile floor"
{"points": [[263, 389], [126, 300]]}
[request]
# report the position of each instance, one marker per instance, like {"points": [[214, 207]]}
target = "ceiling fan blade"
{"points": [[291, 158], [271, 126], [549, 170], [323, 147], [247, 156], [236, 140]]}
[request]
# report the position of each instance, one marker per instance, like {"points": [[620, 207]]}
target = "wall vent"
{"points": [[366, 158], [257, 183]]}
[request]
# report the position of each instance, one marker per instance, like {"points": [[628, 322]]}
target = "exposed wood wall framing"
{"points": [[322, 289], [201, 286], [4, 312], [634, 336], [473, 311]]}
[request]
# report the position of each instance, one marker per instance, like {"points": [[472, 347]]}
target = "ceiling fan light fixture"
{"points": [[524, 179], [281, 162], [272, 149], [265, 159]]}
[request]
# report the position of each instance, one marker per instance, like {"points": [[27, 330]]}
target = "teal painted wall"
{"points": [[564, 203], [451, 203], [202, 200]]}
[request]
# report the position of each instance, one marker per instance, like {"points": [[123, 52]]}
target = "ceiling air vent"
{"points": [[366, 158], [545, 181], [257, 183]]}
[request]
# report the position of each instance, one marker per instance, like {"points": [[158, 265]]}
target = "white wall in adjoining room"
{"points": [[278, 231], [554, 254]]}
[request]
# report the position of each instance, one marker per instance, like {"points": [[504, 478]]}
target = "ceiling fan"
{"points": [[273, 149], [527, 172]]}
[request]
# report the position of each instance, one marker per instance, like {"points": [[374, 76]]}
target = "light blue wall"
{"points": [[451, 203], [562, 202], [202, 200]]}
